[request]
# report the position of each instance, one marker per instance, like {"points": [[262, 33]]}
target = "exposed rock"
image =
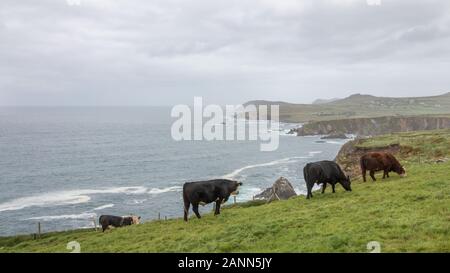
{"points": [[293, 131], [351, 152], [375, 126], [335, 136], [281, 190]]}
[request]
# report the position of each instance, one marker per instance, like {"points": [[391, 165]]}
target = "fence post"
{"points": [[159, 216], [165, 218], [234, 198], [39, 229]]}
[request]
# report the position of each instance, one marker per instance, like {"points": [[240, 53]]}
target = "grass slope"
{"points": [[404, 214], [362, 106], [414, 145]]}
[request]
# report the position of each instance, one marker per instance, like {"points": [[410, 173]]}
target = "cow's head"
{"points": [[346, 183], [136, 219], [234, 187], [401, 171]]}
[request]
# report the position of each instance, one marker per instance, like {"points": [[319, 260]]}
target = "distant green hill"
{"points": [[409, 214], [362, 106]]}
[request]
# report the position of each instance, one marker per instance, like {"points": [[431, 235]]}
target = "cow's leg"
{"points": [[333, 187], [187, 205], [387, 174], [195, 209], [309, 194], [324, 185], [364, 174], [104, 227], [218, 203], [372, 174]]}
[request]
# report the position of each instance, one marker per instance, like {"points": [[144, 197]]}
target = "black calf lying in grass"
{"points": [[117, 221]]}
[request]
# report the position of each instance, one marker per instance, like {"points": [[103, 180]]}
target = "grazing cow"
{"points": [[205, 192], [324, 172], [385, 162], [118, 221]]}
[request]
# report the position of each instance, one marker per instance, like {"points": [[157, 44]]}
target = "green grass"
{"points": [[424, 144], [409, 214]]}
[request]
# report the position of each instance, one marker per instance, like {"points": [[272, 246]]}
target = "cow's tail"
{"points": [[186, 203], [362, 163], [305, 175]]}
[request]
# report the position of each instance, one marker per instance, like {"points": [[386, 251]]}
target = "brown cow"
{"points": [[385, 162]]}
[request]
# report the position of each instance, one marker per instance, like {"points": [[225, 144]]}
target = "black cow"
{"points": [[205, 192], [117, 221], [324, 172]]}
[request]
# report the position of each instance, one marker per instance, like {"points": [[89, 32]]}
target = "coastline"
{"points": [[140, 195]]}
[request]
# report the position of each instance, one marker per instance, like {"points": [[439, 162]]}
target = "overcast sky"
{"points": [[129, 52]]}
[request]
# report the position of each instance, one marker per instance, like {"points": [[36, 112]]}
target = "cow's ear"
{"points": [[139, 217]]}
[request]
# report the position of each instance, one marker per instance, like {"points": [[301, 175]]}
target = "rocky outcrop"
{"points": [[350, 154], [375, 126], [281, 190]]}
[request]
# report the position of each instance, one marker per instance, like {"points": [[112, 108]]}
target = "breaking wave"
{"points": [[271, 163], [164, 190], [104, 207], [60, 198], [81, 216]]}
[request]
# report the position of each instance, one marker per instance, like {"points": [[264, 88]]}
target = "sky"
{"points": [[165, 52]]}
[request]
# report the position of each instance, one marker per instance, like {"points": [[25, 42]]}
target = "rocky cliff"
{"points": [[421, 147], [350, 154], [375, 126]]}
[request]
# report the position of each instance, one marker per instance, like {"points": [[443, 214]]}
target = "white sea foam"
{"points": [[104, 207], [164, 190], [313, 153], [287, 160], [297, 190], [246, 194], [136, 201], [60, 198], [81, 216], [335, 142]]}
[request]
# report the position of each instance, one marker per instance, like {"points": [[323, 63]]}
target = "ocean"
{"points": [[64, 166]]}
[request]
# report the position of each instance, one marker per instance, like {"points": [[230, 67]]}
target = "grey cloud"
{"points": [[166, 51]]}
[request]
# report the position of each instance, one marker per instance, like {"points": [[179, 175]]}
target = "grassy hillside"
{"points": [[409, 214], [362, 106], [418, 147]]}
